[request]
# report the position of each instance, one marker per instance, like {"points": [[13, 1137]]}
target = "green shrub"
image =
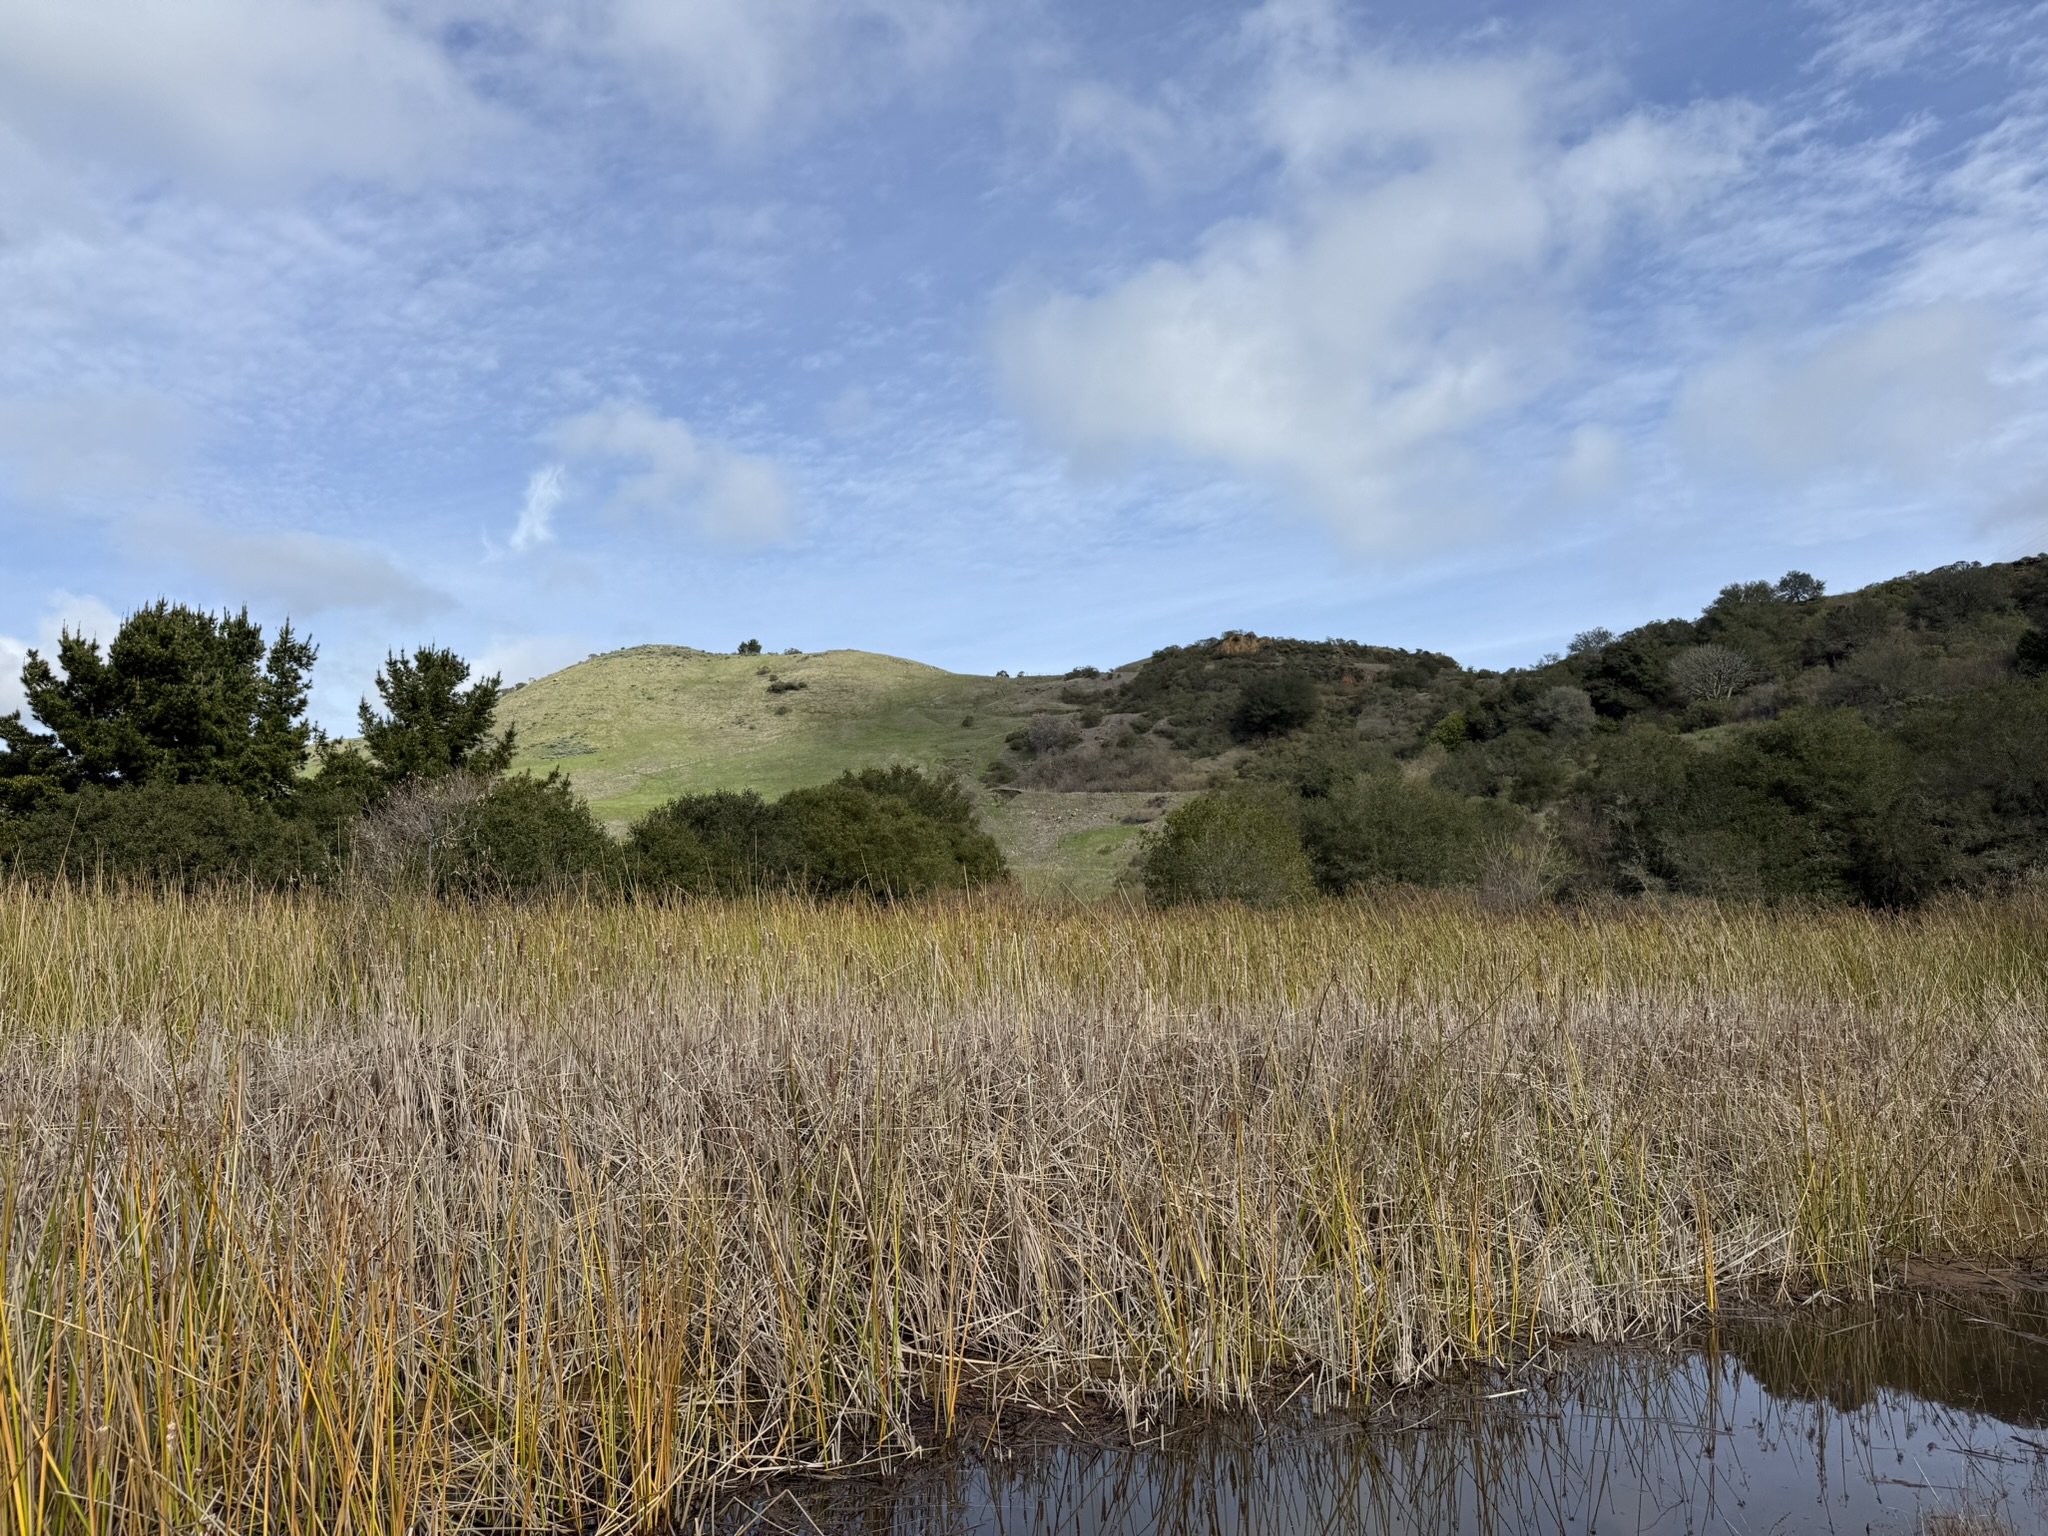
{"points": [[331, 799], [525, 835], [1521, 765], [1232, 846], [1980, 766], [2031, 654], [1273, 704], [849, 840], [1381, 829], [889, 832], [181, 835], [1814, 807], [726, 843], [883, 832], [1451, 732]]}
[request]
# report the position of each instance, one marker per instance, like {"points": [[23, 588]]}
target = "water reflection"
{"points": [[1919, 1417], [1985, 1353]]}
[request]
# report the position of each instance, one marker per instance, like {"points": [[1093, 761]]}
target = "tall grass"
{"points": [[324, 1216]]}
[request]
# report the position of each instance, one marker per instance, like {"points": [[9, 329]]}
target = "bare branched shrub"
{"points": [[1713, 672], [1564, 711], [405, 840], [1522, 871], [1052, 733]]}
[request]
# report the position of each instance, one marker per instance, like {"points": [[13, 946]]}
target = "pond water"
{"points": [[1924, 1416]]}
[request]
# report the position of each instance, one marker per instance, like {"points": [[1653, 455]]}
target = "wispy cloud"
{"points": [[1433, 225], [1900, 394], [658, 467], [79, 451], [771, 69], [537, 513], [293, 571]]}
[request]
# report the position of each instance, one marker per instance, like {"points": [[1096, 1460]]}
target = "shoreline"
{"points": [[1040, 1442]]}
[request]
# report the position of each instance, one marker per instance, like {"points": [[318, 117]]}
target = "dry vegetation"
{"points": [[331, 1216]]}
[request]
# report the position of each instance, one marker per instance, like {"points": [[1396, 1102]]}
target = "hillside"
{"points": [[633, 728], [1890, 710], [1069, 779], [1880, 746]]}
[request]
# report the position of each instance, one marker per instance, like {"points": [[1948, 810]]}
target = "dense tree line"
{"points": [[1878, 748], [182, 755]]}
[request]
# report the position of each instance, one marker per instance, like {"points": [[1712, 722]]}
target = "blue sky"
{"points": [[1016, 335]]}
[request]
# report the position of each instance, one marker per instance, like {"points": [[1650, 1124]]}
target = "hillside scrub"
{"points": [[401, 1215], [1242, 847], [1876, 748], [1382, 829]]}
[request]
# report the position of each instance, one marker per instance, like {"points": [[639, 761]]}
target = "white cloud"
{"points": [[1414, 286], [12, 654], [78, 447], [755, 69], [663, 469], [536, 515], [238, 90], [1901, 393], [298, 572], [1592, 465], [76, 613]]}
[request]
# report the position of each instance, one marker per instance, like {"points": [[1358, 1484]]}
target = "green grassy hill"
{"points": [[636, 727]]}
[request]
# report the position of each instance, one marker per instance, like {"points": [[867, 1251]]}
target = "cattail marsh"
{"points": [[338, 1216]]}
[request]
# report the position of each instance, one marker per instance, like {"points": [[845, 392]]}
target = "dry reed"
{"points": [[333, 1216]]}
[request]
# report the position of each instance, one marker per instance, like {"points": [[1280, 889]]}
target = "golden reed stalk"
{"points": [[332, 1216]]}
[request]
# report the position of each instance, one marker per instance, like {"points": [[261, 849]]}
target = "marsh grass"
{"points": [[330, 1216]]}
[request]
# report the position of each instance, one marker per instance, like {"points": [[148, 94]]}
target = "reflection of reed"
{"points": [[1636, 1442], [1970, 1353]]}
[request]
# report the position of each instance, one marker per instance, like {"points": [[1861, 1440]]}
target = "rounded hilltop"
{"points": [[637, 726]]}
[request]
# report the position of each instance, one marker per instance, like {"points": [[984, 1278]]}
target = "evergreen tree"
{"points": [[432, 724], [180, 697]]}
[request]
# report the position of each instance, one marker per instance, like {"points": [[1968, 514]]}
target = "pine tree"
{"points": [[432, 725], [180, 697]]}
